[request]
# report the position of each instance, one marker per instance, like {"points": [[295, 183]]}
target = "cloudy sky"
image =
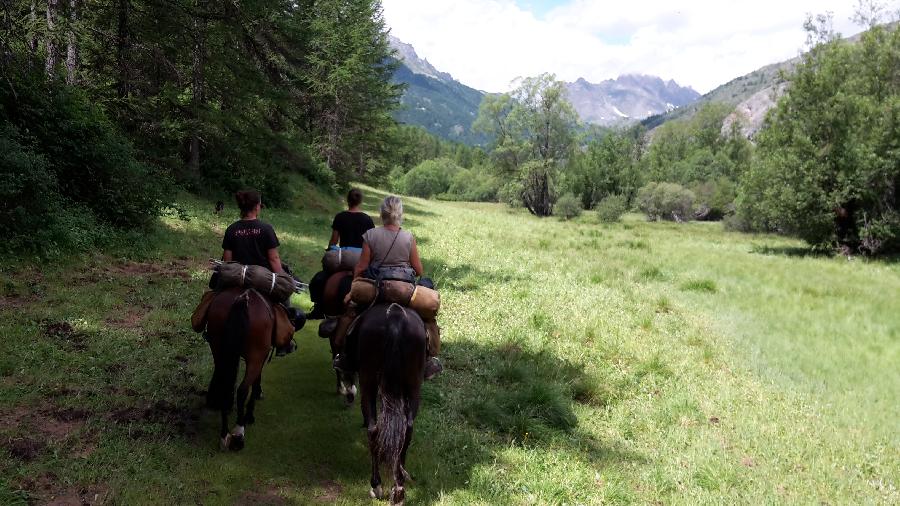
{"points": [[488, 43]]}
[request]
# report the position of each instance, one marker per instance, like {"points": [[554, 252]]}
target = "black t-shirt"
{"points": [[250, 242], [351, 227]]}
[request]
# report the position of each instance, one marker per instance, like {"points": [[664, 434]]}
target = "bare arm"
{"points": [[364, 258], [226, 255], [414, 259], [335, 237], [275, 260]]}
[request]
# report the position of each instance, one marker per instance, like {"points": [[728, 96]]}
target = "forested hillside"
{"points": [[121, 102]]}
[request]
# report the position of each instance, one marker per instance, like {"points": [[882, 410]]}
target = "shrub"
{"points": [[429, 178], [472, 185], [511, 194], [667, 201], [611, 209], [568, 206], [34, 216], [714, 199], [90, 160]]}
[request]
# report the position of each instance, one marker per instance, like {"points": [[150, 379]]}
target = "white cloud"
{"points": [[488, 43]]}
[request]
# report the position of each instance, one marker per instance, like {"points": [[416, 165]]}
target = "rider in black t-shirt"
{"points": [[347, 230], [349, 226], [250, 241]]}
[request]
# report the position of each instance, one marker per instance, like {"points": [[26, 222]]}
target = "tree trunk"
{"points": [[51, 37], [33, 41], [123, 41], [196, 95], [72, 50]]}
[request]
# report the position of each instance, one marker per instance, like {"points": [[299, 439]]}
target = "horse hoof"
{"points": [[398, 496], [237, 443], [376, 493], [225, 442]]}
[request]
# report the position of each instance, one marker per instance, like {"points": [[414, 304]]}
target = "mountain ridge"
{"points": [[627, 98]]}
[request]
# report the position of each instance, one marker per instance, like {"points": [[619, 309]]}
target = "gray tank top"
{"points": [[383, 254]]}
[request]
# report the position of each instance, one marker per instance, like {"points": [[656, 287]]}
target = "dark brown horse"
{"points": [[391, 358], [239, 324], [336, 288]]}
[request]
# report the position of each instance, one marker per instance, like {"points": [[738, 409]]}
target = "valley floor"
{"points": [[585, 364]]}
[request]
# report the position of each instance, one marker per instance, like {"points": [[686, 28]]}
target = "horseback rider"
{"points": [[348, 226], [389, 247], [250, 241], [347, 230]]}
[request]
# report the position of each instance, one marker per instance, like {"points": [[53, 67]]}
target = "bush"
{"points": [[714, 199], [429, 178], [34, 216], [472, 185], [568, 206], [90, 161], [511, 194], [667, 201], [611, 209]]}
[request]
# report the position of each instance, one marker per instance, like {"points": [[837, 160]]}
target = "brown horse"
{"points": [[336, 288], [391, 358], [239, 324]]}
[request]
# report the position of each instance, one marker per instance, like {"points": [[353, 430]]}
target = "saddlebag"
{"points": [[198, 318], [426, 302], [284, 328], [341, 259], [276, 286]]}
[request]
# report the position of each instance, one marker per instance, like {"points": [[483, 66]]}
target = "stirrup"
{"points": [[290, 348], [433, 367]]}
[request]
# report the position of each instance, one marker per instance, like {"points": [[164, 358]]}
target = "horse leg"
{"points": [[253, 370], [410, 418], [257, 389], [224, 436], [367, 402]]}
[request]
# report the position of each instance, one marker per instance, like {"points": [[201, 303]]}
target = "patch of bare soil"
{"points": [[13, 303], [130, 318], [268, 496], [177, 419], [332, 491], [64, 332], [44, 426], [49, 493], [178, 267]]}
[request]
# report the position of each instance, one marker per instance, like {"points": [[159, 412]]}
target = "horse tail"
{"points": [[236, 326], [392, 419]]}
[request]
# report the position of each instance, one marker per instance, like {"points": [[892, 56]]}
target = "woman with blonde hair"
{"points": [[392, 252]]}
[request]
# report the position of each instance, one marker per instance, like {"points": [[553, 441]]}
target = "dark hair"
{"points": [[247, 200], [354, 197]]}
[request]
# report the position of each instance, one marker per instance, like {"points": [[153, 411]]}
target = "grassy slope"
{"points": [[586, 363]]}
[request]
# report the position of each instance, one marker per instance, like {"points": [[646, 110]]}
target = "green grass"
{"points": [[632, 362]]}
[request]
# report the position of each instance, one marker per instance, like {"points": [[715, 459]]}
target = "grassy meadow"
{"points": [[585, 363]]}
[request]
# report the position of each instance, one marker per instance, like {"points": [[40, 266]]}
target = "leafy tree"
{"points": [[828, 164], [607, 166], [534, 128]]}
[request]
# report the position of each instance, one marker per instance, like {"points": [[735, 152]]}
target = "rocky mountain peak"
{"points": [[629, 97]]}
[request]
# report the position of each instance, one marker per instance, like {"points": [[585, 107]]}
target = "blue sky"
{"points": [[539, 7], [488, 44]]}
